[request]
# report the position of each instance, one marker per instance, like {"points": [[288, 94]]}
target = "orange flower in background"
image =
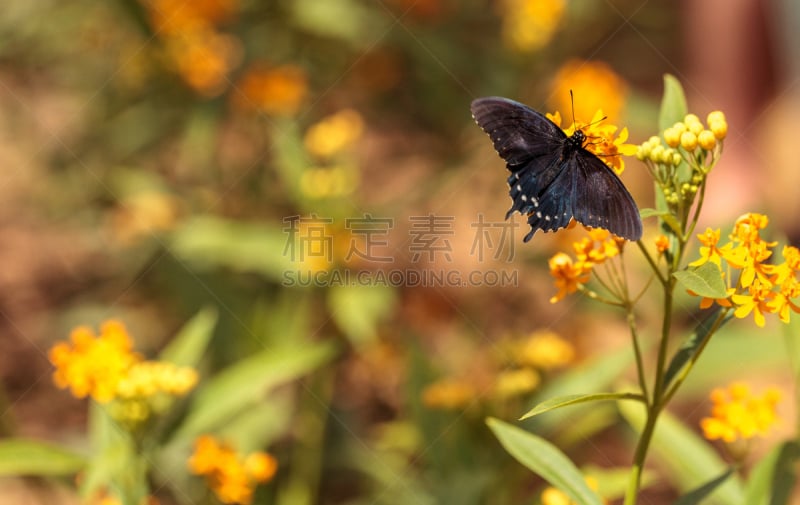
{"points": [[739, 414], [334, 133], [204, 58], [594, 85], [568, 275], [230, 476], [279, 90], [170, 17]]}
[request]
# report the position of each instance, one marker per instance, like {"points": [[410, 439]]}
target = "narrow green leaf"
{"points": [[705, 280], [758, 488], [784, 476], [689, 460], [564, 401], [593, 376], [544, 459], [33, 457], [699, 494], [692, 345], [240, 385], [190, 343], [357, 310], [673, 103]]}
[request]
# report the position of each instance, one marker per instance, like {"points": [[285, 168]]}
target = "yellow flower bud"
{"points": [[689, 141], [672, 136], [696, 128], [680, 127], [654, 140], [666, 156], [690, 119], [706, 140], [656, 153], [715, 116], [676, 158], [719, 128], [643, 152]]}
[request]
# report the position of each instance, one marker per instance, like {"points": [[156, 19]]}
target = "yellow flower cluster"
{"points": [[690, 133], [594, 85], [601, 139], [106, 368], [202, 55], [739, 414], [230, 476], [569, 273], [540, 351], [529, 25], [762, 287]]}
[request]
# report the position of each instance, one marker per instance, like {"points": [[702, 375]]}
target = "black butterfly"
{"points": [[553, 178]]}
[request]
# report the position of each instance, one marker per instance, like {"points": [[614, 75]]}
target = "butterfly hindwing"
{"points": [[601, 200]]}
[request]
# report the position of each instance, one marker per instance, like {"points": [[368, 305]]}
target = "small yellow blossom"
{"points": [[230, 476], [595, 86], [511, 383], [529, 25], [448, 394], [709, 250], [334, 133], [739, 414], [757, 301], [279, 91], [707, 140], [545, 350]]}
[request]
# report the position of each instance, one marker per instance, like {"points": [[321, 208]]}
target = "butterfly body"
{"points": [[553, 177]]}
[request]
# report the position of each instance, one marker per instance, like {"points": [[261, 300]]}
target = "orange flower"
{"points": [[204, 58], [279, 91], [594, 84], [568, 275], [448, 394], [232, 478], [93, 366]]}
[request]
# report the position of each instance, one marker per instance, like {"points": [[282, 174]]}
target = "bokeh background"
{"points": [[158, 157]]}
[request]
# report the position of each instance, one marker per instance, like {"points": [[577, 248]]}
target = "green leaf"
{"points": [[589, 377], [212, 242], [544, 459], [33, 457], [691, 347], [648, 212], [564, 401], [241, 385], [705, 280], [784, 475], [687, 458], [357, 310], [190, 343], [758, 488], [699, 494], [673, 103]]}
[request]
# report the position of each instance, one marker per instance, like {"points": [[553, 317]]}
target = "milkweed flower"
{"points": [[106, 368], [601, 139], [277, 90], [231, 476], [737, 413], [334, 133], [516, 382], [91, 365], [567, 274]]}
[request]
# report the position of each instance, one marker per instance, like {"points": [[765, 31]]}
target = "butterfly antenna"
{"points": [[572, 103]]}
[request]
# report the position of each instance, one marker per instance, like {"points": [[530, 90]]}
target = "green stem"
{"points": [[637, 350]]}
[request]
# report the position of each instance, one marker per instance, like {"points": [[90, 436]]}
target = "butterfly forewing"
{"points": [[552, 179]]}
